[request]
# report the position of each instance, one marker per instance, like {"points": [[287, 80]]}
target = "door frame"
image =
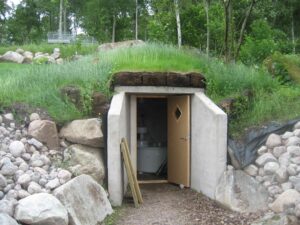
{"points": [[133, 130]]}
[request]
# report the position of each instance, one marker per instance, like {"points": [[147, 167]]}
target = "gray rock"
{"points": [[297, 125], [293, 141], [271, 167], [7, 220], [286, 198], [85, 132], [287, 135], [35, 143], [297, 132], [240, 192], [286, 186], [37, 163], [45, 131], [284, 159], [89, 159], [8, 116], [64, 176], [8, 169], [80, 193], [296, 160], [11, 194], [41, 209], [34, 116], [34, 188], [297, 210], [22, 194], [273, 190], [294, 150], [273, 141], [24, 179], [295, 180], [251, 170], [262, 150], [52, 184], [265, 158], [281, 175], [23, 166], [277, 151], [3, 182], [8, 206]]}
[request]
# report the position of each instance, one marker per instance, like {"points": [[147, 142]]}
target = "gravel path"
{"points": [[168, 205]]}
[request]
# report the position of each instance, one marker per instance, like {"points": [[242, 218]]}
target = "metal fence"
{"points": [[68, 38]]}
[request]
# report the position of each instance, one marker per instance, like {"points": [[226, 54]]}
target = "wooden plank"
{"points": [[136, 185], [129, 174], [153, 181]]}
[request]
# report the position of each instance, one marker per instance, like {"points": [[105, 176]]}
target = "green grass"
{"points": [[38, 85], [66, 50]]}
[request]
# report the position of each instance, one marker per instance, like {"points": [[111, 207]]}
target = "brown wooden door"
{"points": [[179, 140]]}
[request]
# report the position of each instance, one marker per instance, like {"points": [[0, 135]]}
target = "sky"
{"points": [[16, 2]]}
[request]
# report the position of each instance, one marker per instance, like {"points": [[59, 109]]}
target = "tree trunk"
{"points": [[293, 35], [178, 23], [65, 20], [206, 6], [113, 39], [227, 11], [60, 19], [241, 38], [136, 19]]}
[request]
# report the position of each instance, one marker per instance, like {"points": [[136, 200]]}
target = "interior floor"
{"points": [[152, 138]]}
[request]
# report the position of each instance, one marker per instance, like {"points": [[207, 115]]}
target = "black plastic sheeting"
{"points": [[245, 149]]}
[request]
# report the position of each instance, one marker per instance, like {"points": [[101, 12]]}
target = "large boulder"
{"points": [[285, 199], [28, 57], [13, 57], [86, 132], [40, 209], [7, 220], [240, 192], [85, 200], [45, 131], [85, 160]]}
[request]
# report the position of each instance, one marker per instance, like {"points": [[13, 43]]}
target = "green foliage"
{"points": [[284, 67], [259, 44]]}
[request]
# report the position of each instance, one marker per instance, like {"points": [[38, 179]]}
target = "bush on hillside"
{"points": [[262, 42]]}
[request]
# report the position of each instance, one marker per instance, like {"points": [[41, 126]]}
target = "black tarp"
{"points": [[245, 149]]}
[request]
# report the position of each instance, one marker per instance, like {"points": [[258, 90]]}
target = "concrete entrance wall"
{"points": [[209, 144], [208, 139], [118, 127]]}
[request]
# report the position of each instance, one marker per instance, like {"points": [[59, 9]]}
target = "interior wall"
{"points": [[118, 127], [208, 144], [152, 114]]}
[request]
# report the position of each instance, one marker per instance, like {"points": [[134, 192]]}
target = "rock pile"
{"points": [[20, 56], [30, 169], [277, 168]]}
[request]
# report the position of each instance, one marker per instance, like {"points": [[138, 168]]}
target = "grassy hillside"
{"points": [[39, 85]]}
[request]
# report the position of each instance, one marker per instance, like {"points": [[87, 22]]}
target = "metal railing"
{"points": [[68, 38]]}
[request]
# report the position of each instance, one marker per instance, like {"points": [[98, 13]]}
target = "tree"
{"points": [[228, 28], [248, 13], [177, 13], [206, 6]]}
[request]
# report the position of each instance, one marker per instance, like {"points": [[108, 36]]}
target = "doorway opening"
{"points": [[152, 139]]}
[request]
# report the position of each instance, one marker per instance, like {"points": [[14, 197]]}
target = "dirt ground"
{"points": [[166, 204]]}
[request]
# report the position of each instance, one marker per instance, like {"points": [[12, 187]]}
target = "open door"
{"points": [[179, 140]]}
